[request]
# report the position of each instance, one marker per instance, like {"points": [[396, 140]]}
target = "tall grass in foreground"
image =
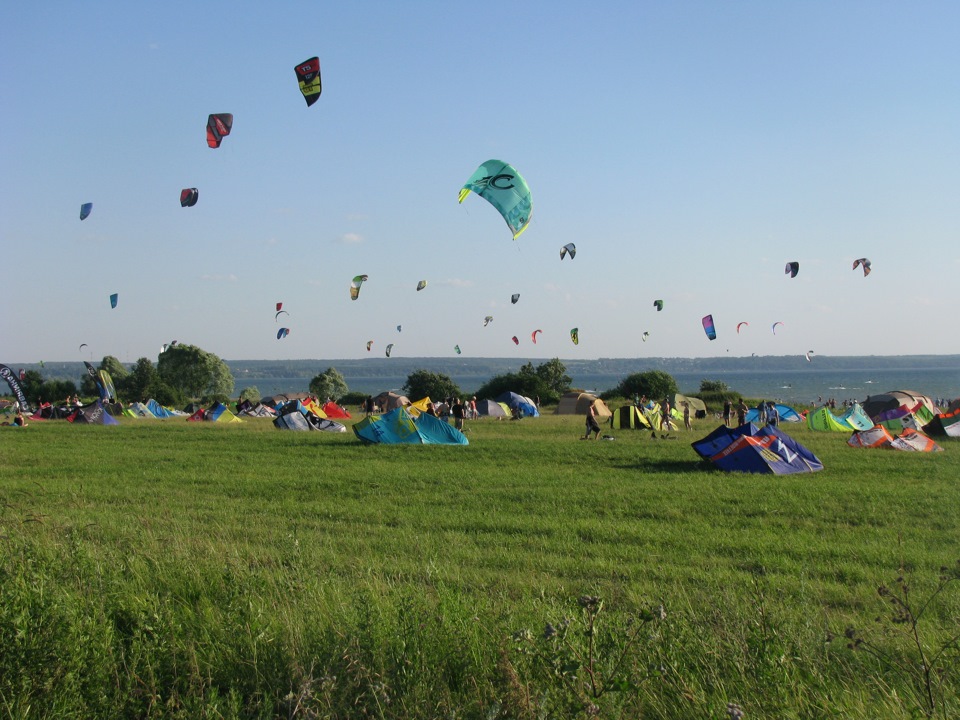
{"points": [[167, 569]]}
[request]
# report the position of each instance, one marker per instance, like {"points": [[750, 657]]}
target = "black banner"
{"points": [[11, 378]]}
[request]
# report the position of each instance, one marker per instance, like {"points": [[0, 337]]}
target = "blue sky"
{"points": [[689, 149]]}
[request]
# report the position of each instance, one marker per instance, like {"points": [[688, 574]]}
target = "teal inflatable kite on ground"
{"points": [[500, 184]]}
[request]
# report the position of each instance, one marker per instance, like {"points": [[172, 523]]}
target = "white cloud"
{"points": [[351, 239]]}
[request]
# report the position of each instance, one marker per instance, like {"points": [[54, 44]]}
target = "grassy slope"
{"points": [[169, 568]]}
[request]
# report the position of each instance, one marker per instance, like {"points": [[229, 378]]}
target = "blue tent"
{"points": [[518, 402], [398, 427], [157, 409], [764, 450], [786, 413]]}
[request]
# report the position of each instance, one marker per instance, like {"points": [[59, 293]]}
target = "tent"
{"points": [[825, 421], [628, 417], [576, 403], [766, 450], [698, 408], [784, 412], [398, 427], [491, 408], [876, 404], [93, 414], [389, 401], [518, 403], [912, 440]]}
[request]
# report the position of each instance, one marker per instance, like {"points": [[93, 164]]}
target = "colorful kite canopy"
{"points": [[82, 346], [113, 300], [421, 285], [279, 306], [279, 313], [740, 325], [355, 286], [533, 335], [500, 184], [791, 269], [85, 210], [645, 336], [308, 76], [658, 304], [487, 320], [809, 355], [516, 341], [575, 336], [514, 298], [399, 328], [189, 197], [862, 262], [568, 248], [282, 333], [457, 349], [708, 327], [774, 327], [389, 349], [218, 127], [369, 345]]}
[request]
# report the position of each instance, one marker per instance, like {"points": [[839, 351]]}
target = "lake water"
{"points": [[802, 387]]}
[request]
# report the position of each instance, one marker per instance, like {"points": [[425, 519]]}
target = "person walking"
{"points": [[592, 425]]}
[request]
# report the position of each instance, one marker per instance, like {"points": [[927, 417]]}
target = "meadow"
{"points": [[201, 570]]}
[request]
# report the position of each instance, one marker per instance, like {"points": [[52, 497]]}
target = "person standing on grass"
{"points": [[458, 413], [592, 425], [727, 411], [741, 412], [686, 416]]}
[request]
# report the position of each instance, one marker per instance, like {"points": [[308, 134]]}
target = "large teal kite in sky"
{"points": [[500, 184]]}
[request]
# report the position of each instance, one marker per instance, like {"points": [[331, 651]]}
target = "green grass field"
{"points": [[174, 569]]}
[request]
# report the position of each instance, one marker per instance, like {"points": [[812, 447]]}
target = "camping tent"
{"points": [[518, 403], [753, 450], [491, 408], [389, 401], [876, 404], [628, 417], [397, 427], [698, 408], [576, 403]]}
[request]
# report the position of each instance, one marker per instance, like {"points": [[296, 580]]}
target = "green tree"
{"points": [[329, 384], [250, 393], [136, 385], [655, 384], [553, 375], [56, 391], [423, 383], [31, 384], [713, 386], [116, 369], [195, 373]]}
